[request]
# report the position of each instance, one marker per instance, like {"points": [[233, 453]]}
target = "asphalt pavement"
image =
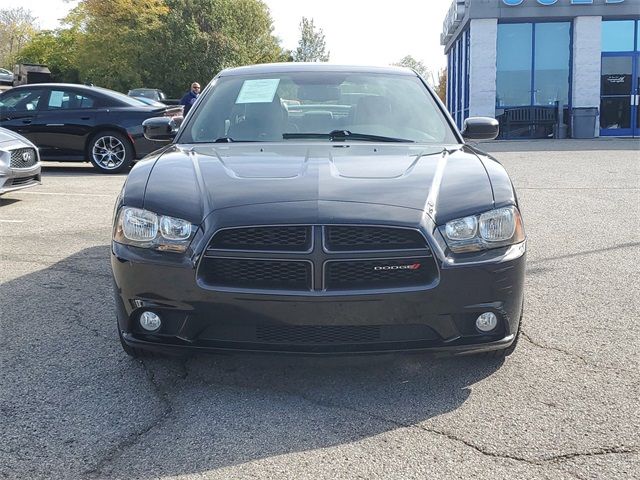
{"points": [[565, 405]]}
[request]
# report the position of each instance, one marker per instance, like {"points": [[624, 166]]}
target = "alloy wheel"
{"points": [[109, 152]]}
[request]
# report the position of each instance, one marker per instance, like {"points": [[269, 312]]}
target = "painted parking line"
{"points": [[11, 221], [63, 194]]}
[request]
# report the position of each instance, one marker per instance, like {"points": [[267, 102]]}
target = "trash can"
{"points": [[583, 122]]}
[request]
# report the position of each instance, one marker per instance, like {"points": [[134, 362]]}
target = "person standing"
{"points": [[189, 99]]}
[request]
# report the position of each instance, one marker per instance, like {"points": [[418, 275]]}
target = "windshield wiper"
{"points": [[342, 135]]}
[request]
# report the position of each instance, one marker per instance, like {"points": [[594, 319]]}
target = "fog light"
{"points": [[150, 321], [486, 322]]}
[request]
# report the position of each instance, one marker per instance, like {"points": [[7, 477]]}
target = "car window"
{"points": [[20, 100], [68, 100], [266, 108], [110, 98]]}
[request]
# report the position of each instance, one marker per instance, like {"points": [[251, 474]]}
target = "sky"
{"points": [[363, 32]]}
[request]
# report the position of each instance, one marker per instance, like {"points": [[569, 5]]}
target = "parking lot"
{"points": [[564, 405]]}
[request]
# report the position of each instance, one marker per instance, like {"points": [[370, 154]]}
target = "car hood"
{"points": [[444, 181], [7, 136]]}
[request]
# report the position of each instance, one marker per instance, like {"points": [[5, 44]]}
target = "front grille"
{"points": [[352, 238], [380, 273], [283, 238], [23, 158], [287, 334], [256, 274], [317, 334], [281, 258]]}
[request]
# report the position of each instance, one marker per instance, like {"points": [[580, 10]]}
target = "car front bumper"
{"points": [[17, 179], [439, 319]]}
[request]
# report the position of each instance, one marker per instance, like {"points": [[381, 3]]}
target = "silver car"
{"points": [[6, 77], [19, 162]]}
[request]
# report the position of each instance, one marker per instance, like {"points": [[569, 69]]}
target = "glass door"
{"points": [[619, 91]]}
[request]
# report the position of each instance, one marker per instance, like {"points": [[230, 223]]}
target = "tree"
{"points": [[115, 35], [199, 38], [167, 44], [58, 50], [16, 29], [441, 88], [422, 70], [311, 46]]}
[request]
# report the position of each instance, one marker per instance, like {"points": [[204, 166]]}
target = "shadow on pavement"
{"points": [[73, 405], [4, 201]]}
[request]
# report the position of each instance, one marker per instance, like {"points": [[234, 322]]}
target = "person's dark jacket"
{"points": [[188, 100]]}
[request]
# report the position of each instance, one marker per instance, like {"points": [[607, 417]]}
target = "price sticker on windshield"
{"points": [[258, 91]]}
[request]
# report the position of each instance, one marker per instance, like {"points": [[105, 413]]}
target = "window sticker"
{"points": [[258, 91], [55, 99]]}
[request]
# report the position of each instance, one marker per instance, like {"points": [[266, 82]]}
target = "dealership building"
{"points": [[545, 67]]}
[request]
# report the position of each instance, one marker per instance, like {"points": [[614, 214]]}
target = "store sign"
{"points": [[515, 3]]}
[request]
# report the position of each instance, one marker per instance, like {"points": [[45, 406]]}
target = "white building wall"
{"points": [[587, 45], [482, 80]]}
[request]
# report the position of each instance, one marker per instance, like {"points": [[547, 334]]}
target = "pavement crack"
{"points": [[130, 440], [528, 338], [616, 450], [541, 461], [76, 315]]}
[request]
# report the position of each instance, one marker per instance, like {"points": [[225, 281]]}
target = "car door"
{"points": [[19, 110], [64, 122]]}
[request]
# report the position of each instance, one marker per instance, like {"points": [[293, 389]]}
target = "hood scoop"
{"points": [[256, 163]]}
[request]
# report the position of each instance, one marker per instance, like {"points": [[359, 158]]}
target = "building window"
{"points": [[467, 72], [618, 35], [459, 73], [458, 79], [515, 49], [551, 65], [533, 64]]}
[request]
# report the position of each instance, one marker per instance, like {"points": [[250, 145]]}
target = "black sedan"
{"points": [[318, 209], [77, 123]]}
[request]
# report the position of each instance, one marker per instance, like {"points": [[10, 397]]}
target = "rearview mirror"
{"points": [[480, 128], [160, 128]]}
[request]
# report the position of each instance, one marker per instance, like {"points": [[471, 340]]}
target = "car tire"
{"points": [[134, 352], [110, 152]]}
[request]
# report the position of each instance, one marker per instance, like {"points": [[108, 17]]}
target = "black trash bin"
{"points": [[583, 122]]}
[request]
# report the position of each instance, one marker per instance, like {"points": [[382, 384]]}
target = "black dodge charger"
{"points": [[318, 209], [69, 122]]}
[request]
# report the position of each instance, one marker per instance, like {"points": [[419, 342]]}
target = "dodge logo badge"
{"points": [[413, 266]]}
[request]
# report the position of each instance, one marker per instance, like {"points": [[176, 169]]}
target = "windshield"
{"points": [[284, 107]]}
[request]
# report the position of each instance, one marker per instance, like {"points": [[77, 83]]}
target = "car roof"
{"points": [[79, 86], [268, 68], [113, 94], [144, 89]]}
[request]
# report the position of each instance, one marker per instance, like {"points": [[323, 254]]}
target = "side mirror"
{"points": [[480, 128], [160, 128]]}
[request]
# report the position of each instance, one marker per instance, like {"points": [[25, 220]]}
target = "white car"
{"points": [[19, 162], [6, 77]]}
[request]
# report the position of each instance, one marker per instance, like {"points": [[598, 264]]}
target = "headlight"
{"points": [[496, 228], [145, 229]]}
